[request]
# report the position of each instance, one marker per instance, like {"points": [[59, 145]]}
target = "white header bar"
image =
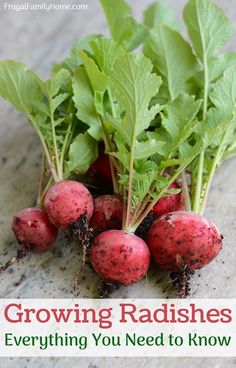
{"points": [[118, 327]]}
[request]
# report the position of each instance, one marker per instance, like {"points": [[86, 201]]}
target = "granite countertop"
{"points": [[40, 39]]}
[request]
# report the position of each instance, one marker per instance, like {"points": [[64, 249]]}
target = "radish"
{"points": [[183, 238], [69, 206], [33, 231], [101, 167], [66, 202], [120, 257], [66, 149], [183, 241], [108, 213], [170, 203]]}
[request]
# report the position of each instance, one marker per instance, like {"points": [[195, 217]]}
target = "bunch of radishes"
{"points": [[147, 134]]}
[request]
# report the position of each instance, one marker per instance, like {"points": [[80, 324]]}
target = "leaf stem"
{"points": [[206, 88], [152, 203], [45, 148], [41, 180], [130, 186], [49, 183], [185, 192], [146, 211], [139, 210], [113, 175], [65, 147], [124, 195], [113, 164], [198, 188], [54, 139], [215, 163]]}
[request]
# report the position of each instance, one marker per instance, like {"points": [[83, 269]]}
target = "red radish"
{"points": [[33, 231], [101, 167], [170, 203], [181, 239], [108, 212], [119, 256], [69, 206], [66, 202]]}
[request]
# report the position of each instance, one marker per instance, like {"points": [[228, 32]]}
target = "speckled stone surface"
{"points": [[40, 39]]}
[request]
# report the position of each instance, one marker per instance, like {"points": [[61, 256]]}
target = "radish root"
{"points": [[181, 281], [81, 231], [22, 252]]}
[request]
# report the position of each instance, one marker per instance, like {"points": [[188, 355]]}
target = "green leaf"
{"points": [[99, 64], [142, 185], [99, 81], [98, 102], [172, 58], [159, 13], [178, 122], [224, 90], [74, 59], [231, 149], [41, 107], [58, 121], [54, 84], [208, 27], [40, 120], [123, 28], [143, 181], [20, 86], [218, 65], [219, 138], [217, 122], [148, 148], [84, 102], [134, 85], [82, 153], [123, 157], [170, 162], [188, 153], [105, 52], [58, 100], [122, 153]]}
